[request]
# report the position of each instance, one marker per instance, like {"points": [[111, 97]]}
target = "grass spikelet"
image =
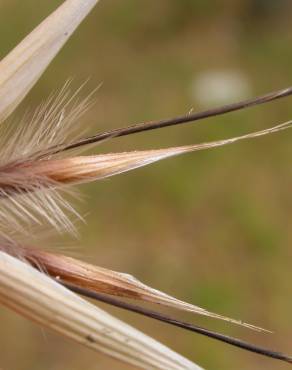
{"points": [[101, 280], [73, 170]]}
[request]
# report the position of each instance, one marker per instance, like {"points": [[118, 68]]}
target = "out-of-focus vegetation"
{"points": [[212, 228]]}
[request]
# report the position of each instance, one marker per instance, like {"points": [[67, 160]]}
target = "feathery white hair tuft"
{"points": [[26, 198]]}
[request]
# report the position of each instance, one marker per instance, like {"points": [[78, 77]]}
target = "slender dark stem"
{"points": [[152, 125], [185, 325]]}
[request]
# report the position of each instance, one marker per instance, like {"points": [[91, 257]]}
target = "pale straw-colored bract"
{"points": [[38, 297], [32, 177]]}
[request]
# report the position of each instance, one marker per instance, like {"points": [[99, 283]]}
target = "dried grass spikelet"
{"points": [[80, 169], [101, 280], [36, 167]]}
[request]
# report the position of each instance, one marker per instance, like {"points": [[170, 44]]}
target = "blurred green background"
{"points": [[211, 228]]}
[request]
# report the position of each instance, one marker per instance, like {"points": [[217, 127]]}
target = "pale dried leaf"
{"points": [[23, 66]]}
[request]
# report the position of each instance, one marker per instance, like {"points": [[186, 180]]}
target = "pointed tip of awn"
{"points": [[162, 298]]}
